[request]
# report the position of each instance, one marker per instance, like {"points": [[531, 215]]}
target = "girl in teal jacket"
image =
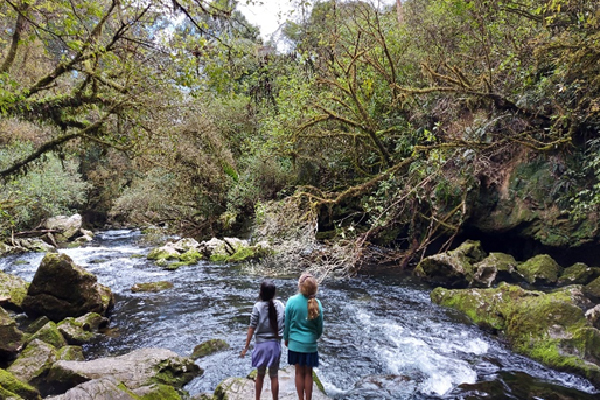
{"points": [[303, 327]]}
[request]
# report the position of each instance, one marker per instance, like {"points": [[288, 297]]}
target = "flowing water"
{"points": [[383, 338]]}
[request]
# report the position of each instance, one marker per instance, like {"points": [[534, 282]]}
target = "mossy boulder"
{"points": [[151, 286], [592, 290], [540, 270], [71, 353], [578, 273], [209, 347], [49, 333], [136, 369], [83, 329], [163, 253], [34, 362], [243, 388], [548, 327], [496, 267], [13, 290], [453, 269], [157, 392], [185, 250], [62, 289], [16, 387], [11, 338]]}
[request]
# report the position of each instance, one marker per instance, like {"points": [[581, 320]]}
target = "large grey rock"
{"points": [[540, 270], [453, 269], [33, 363], [496, 267], [13, 290], [11, 387], [97, 389], [593, 316], [83, 329], [37, 245], [61, 289], [136, 369], [111, 389], [10, 337], [243, 388], [68, 227]]}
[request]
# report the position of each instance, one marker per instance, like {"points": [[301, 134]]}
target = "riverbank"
{"points": [[384, 339]]}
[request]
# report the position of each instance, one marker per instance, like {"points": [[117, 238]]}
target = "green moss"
{"points": [[14, 386], [178, 264], [5, 394], [151, 286], [136, 256], [318, 383], [592, 290], [70, 353], [50, 334], [209, 347], [548, 327], [160, 254], [14, 287], [541, 269], [191, 256], [578, 273], [161, 392], [20, 262]]}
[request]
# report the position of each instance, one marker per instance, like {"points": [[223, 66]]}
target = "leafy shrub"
{"points": [[52, 186]]}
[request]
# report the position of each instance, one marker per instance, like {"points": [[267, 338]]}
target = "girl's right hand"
{"points": [[243, 353]]}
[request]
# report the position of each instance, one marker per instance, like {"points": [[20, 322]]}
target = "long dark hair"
{"points": [[267, 292]]}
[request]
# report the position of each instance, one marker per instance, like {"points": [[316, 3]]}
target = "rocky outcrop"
{"points": [[243, 388], [61, 289], [33, 363], [496, 267], [136, 369], [592, 290], [578, 273], [110, 388], [189, 251], [10, 337], [81, 330], [49, 334], [67, 229], [548, 327], [151, 286], [13, 290], [452, 269], [19, 246], [11, 387], [524, 204], [540, 270], [209, 347]]}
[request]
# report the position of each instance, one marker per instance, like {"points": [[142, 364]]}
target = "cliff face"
{"points": [[535, 200]]}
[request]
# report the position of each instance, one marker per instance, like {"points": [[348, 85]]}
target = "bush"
{"points": [[52, 186]]}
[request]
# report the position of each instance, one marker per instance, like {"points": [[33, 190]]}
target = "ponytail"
{"points": [[267, 292], [308, 287], [273, 318]]}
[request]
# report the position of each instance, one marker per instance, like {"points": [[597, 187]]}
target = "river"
{"points": [[383, 338]]}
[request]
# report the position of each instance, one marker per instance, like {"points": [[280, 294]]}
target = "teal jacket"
{"points": [[300, 332]]}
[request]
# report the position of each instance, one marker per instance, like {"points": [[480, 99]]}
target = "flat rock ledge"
{"points": [[243, 388]]}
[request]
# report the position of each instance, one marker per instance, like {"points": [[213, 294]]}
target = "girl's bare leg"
{"points": [[275, 387], [308, 382], [299, 380], [260, 379]]}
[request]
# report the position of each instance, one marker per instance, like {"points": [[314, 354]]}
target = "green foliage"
{"points": [[51, 187]]}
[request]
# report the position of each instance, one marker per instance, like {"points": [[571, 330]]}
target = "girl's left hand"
{"points": [[243, 353]]}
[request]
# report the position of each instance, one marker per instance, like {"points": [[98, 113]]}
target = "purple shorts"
{"points": [[267, 354]]}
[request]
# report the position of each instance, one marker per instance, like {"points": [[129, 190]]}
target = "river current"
{"points": [[383, 338]]}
